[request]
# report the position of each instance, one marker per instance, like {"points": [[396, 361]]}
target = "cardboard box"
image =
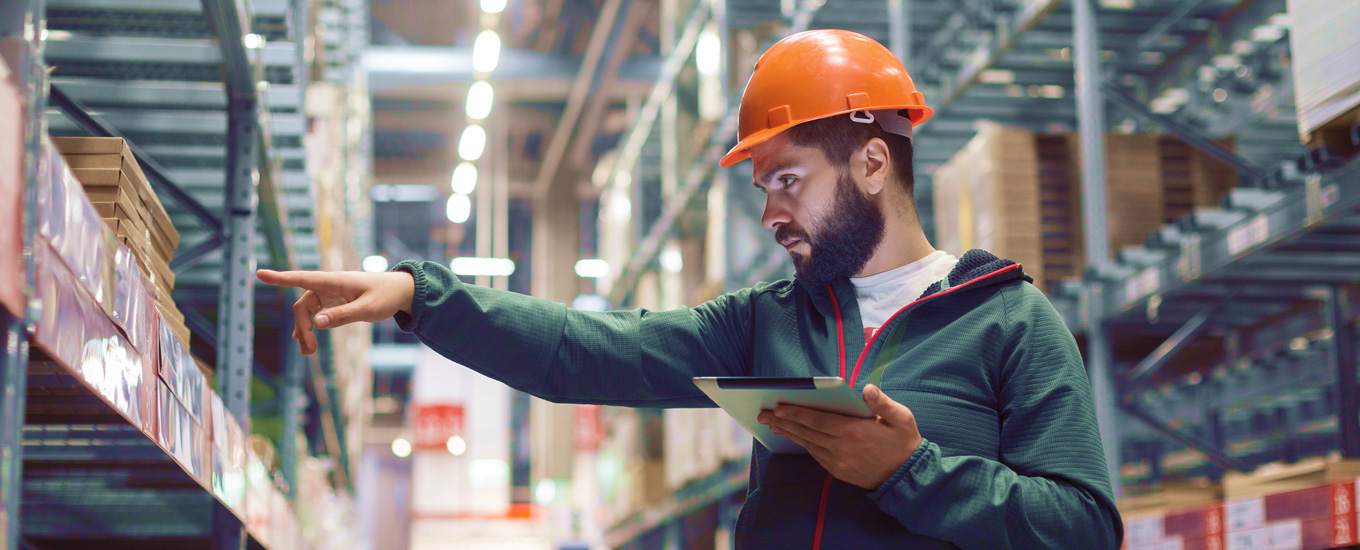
{"points": [[113, 153], [1280, 478]]}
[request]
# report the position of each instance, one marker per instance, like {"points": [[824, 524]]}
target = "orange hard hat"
{"points": [[818, 74]]}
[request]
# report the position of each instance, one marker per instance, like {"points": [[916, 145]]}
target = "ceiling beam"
{"points": [[395, 67], [596, 102]]}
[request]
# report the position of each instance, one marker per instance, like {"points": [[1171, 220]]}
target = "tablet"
{"points": [[744, 397]]}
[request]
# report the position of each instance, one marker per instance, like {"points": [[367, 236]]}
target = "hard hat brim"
{"points": [[742, 151]]}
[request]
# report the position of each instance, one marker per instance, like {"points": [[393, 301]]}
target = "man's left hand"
{"points": [[860, 451]]}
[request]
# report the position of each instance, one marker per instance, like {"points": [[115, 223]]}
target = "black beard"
{"points": [[847, 238]]}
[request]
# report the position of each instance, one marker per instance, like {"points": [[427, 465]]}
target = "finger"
{"points": [[803, 442], [896, 414], [825, 422], [807, 434], [309, 280], [338, 316], [309, 345], [303, 310]]}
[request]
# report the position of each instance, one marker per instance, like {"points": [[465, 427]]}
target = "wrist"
{"points": [[408, 290]]}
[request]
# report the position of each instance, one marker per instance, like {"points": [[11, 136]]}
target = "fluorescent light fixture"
{"points": [[996, 76], [459, 208], [375, 264], [401, 447], [252, 41], [624, 179], [621, 208], [1267, 34], [592, 268], [1226, 61], [403, 193], [493, 6], [48, 34], [482, 267], [472, 143], [479, 98], [486, 51], [489, 472], [708, 52], [464, 178], [590, 302], [1051, 91], [545, 492], [671, 260], [457, 446]]}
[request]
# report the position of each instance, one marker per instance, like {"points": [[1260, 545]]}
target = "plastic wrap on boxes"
{"points": [[70, 223], [132, 298], [11, 196], [258, 504], [178, 371], [76, 331], [229, 457]]}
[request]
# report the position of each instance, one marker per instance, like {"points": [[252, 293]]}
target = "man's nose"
{"points": [[775, 214]]}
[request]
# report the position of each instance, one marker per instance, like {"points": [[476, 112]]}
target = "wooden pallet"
{"points": [[1278, 477]]}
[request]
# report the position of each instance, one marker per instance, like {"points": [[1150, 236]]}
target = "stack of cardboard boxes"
{"points": [[1018, 194], [123, 197]]}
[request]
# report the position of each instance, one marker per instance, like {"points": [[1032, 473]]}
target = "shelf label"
{"points": [[1286, 535], [1249, 234], [1187, 265], [1344, 516], [1144, 532], [1146, 282], [1319, 198], [1245, 514]]}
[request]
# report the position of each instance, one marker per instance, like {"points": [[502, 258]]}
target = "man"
{"points": [[985, 436]]}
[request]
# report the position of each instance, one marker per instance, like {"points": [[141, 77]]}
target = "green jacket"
{"points": [[1011, 456]]}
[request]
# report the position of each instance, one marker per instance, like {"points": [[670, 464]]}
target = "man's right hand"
{"points": [[333, 299]]}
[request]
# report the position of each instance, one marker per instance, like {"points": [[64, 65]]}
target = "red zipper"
{"points": [[870, 343], [840, 334]]}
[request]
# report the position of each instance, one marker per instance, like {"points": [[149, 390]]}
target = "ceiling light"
{"points": [[482, 267], [708, 52], [592, 268], [545, 492], [403, 193], [624, 179], [489, 472], [493, 6], [252, 41], [996, 76], [458, 209], [375, 264], [479, 99], [1267, 34], [620, 208], [1051, 91], [486, 51], [472, 143], [671, 260], [1220, 95], [401, 447], [464, 178], [456, 445]]}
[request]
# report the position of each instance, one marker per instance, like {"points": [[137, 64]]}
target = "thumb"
{"points": [[342, 315], [883, 406]]}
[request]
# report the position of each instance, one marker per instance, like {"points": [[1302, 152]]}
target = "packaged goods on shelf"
{"points": [[229, 456], [12, 178], [1315, 518], [1324, 40], [1018, 194], [1195, 529], [1280, 478], [698, 442]]}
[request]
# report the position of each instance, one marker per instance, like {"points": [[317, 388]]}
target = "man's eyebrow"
{"points": [[771, 173]]}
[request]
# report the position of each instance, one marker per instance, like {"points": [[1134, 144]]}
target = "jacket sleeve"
{"points": [[635, 358], [1049, 487]]}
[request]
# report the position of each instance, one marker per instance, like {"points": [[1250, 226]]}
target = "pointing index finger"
{"points": [[307, 280]]}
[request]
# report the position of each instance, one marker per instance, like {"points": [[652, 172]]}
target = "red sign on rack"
{"points": [[1343, 514], [435, 424], [589, 428], [1213, 528]]}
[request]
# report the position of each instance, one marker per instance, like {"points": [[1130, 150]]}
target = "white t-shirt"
{"points": [[882, 295]]}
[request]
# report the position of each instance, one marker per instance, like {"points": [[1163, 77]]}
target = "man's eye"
{"points": [[787, 180]]}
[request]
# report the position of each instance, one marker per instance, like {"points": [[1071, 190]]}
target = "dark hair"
{"points": [[838, 137]]}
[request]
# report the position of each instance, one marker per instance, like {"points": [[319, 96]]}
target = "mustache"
{"points": [[787, 232]]}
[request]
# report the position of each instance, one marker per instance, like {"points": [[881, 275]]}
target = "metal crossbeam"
{"points": [[1339, 319], [231, 26], [1214, 453], [1173, 345], [1249, 170], [93, 124]]}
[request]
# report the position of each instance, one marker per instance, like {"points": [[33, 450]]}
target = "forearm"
{"points": [[635, 358], [978, 503]]}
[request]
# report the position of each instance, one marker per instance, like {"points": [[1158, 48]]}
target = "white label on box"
{"points": [[1174, 543], [1245, 514], [1144, 531], [1255, 539], [1286, 536], [1249, 234]]}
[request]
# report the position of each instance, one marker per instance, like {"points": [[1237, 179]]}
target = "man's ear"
{"points": [[875, 164]]}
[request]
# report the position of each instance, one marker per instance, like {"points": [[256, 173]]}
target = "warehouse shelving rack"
{"points": [[210, 97]]}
